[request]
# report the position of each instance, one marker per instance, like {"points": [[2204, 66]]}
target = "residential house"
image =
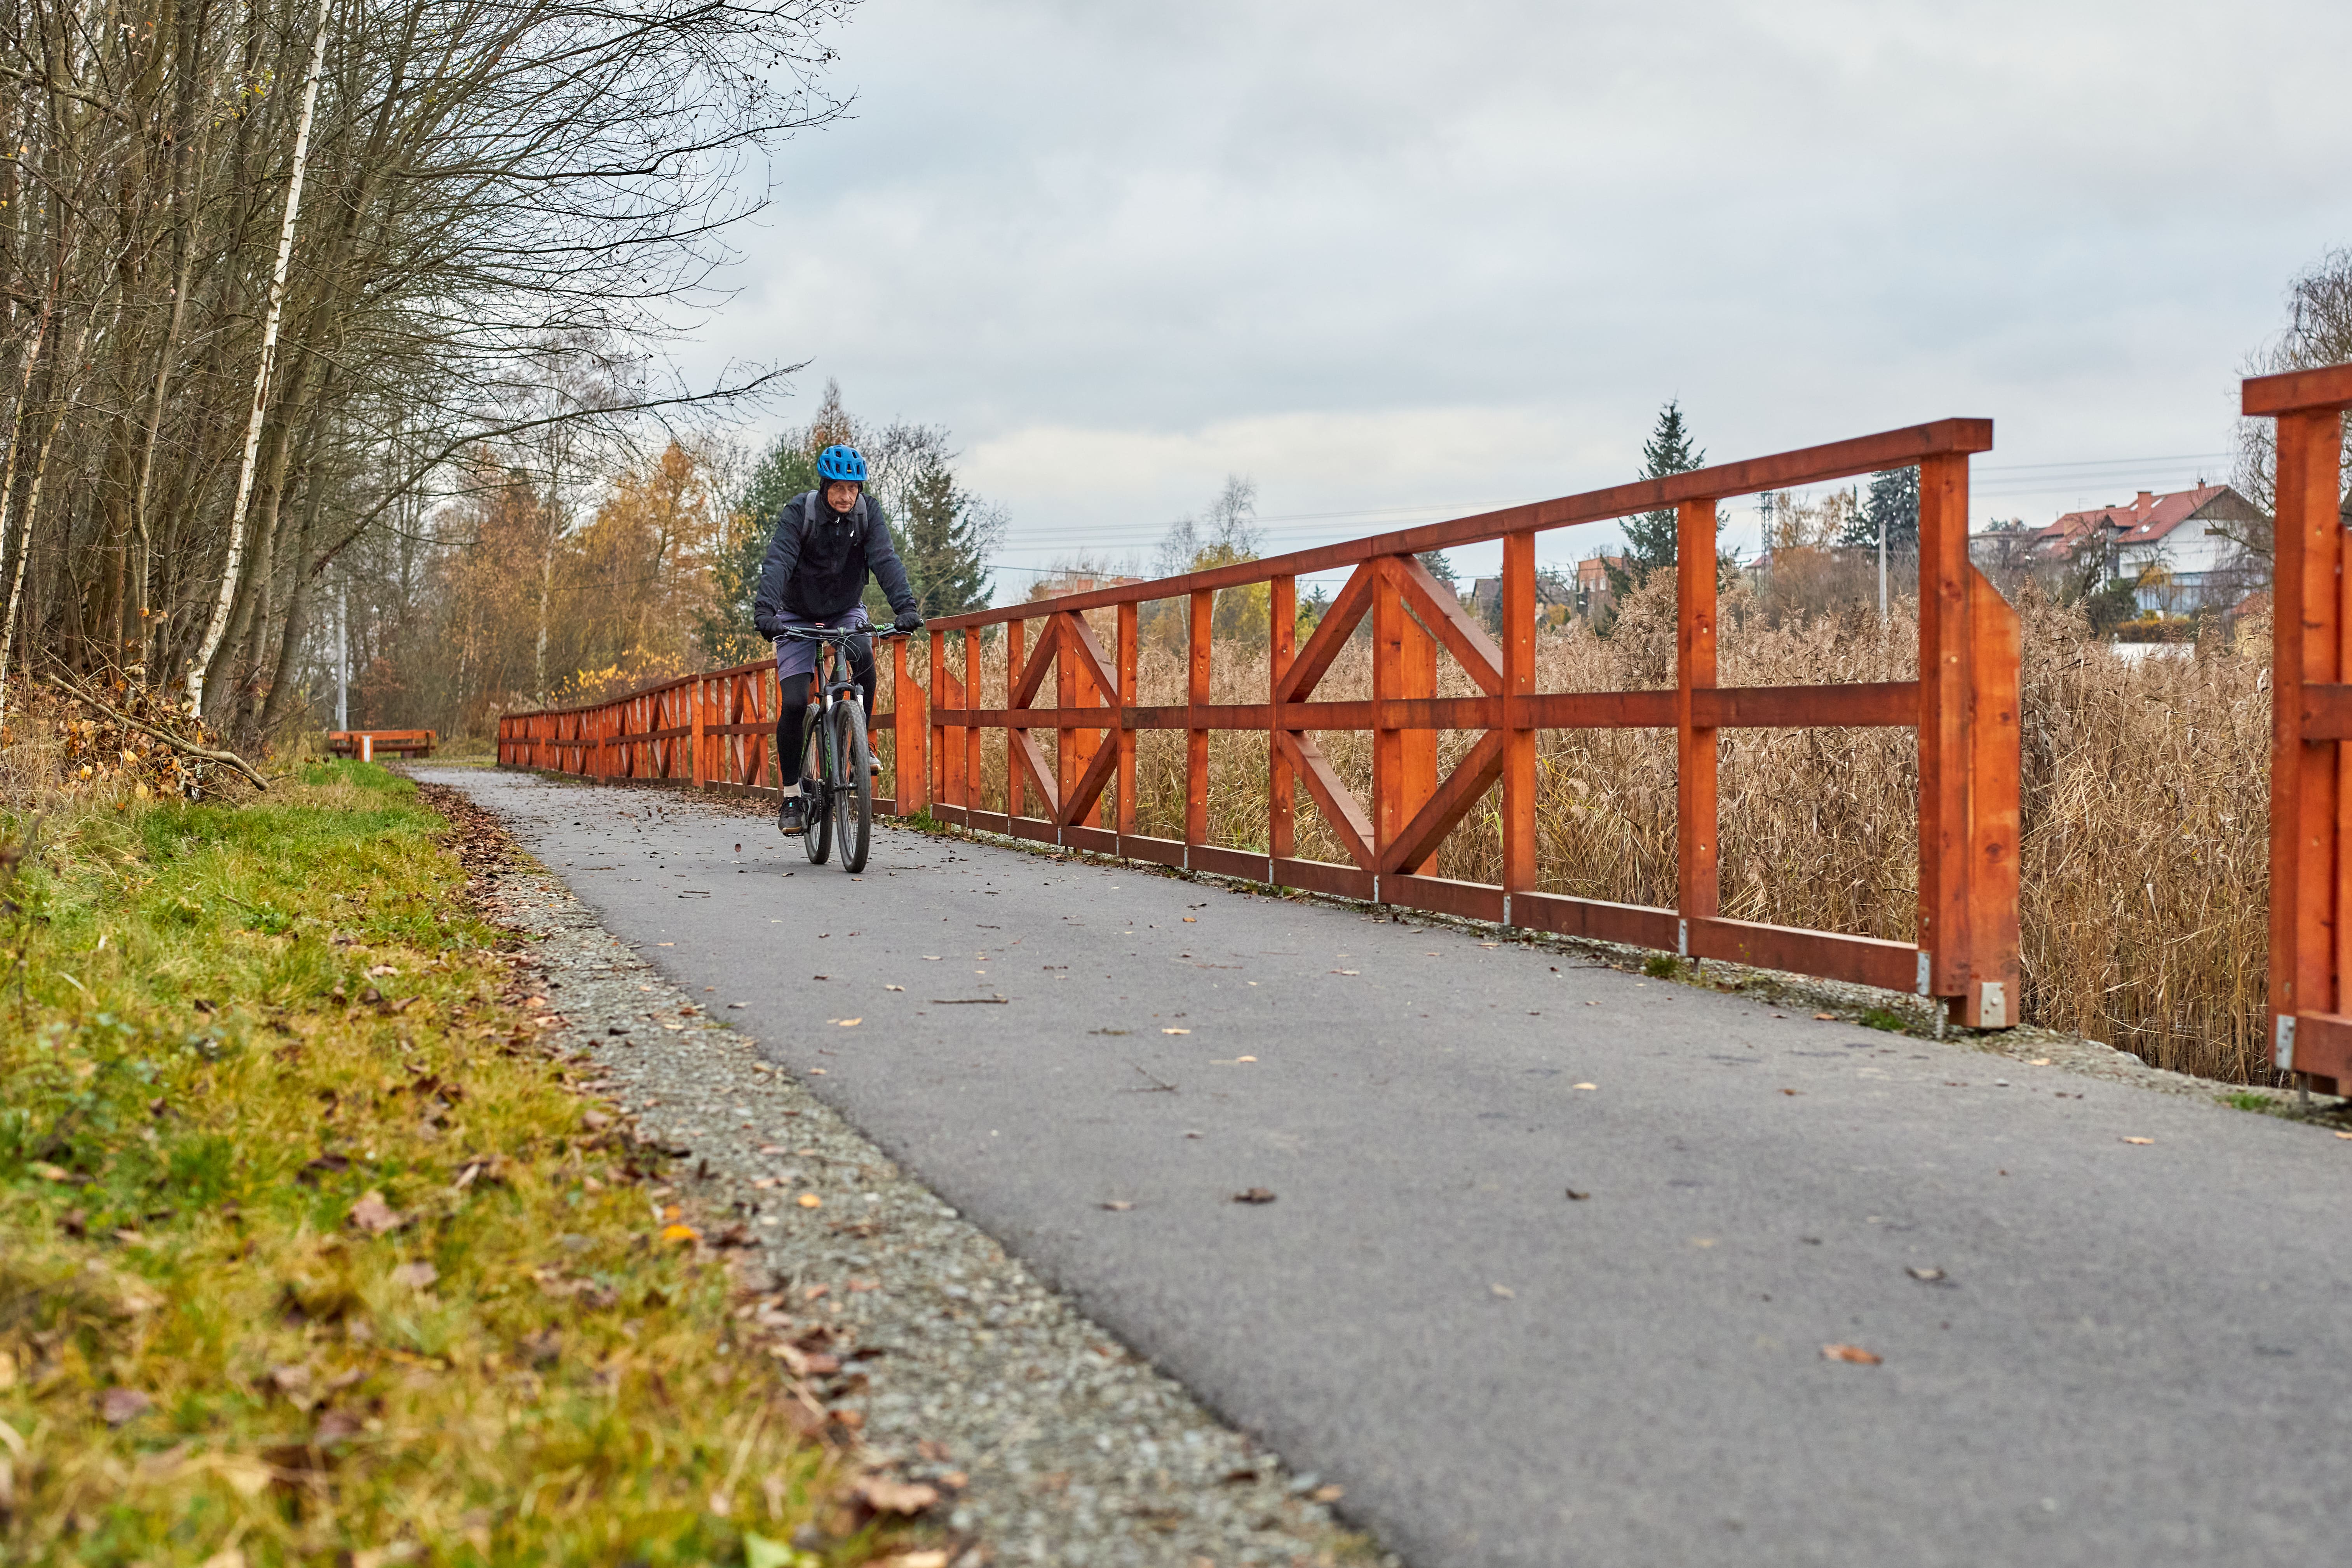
{"points": [[2185, 545], [1484, 598]]}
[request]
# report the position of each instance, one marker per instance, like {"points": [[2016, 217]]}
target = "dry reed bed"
{"points": [[2144, 842]]}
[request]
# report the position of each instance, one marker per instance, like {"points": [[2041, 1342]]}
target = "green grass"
{"points": [[228, 1038], [1661, 966], [2246, 1100], [1886, 1018]]}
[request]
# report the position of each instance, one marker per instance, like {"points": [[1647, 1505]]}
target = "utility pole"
{"points": [[1882, 567]]}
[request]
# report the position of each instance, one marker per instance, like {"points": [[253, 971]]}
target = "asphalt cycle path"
{"points": [[2112, 1324]]}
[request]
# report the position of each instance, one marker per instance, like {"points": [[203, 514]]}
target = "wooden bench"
{"points": [[371, 743]]}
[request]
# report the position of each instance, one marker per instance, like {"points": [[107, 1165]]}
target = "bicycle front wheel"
{"points": [[816, 837], [851, 785]]}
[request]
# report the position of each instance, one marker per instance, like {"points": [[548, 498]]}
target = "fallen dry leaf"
{"points": [[1331, 1494], [335, 1427], [1175, 1031], [811, 1201], [851, 1023], [1584, 1086], [1579, 1198], [2343, 1136], [1118, 1206], [884, 1495], [1825, 1017], [680, 1233], [1190, 919], [1254, 1195], [1505, 1291], [1347, 971], [1930, 1275], [2140, 1140], [122, 1404], [373, 1214], [1853, 1353], [49, 1172], [894, 988], [415, 1276]]}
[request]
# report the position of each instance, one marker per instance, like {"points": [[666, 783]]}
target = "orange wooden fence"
{"points": [[2311, 717], [1964, 709], [712, 732], [708, 728]]}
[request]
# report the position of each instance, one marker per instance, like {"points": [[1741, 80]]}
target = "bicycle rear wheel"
{"points": [[852, 785], [816, 837]]}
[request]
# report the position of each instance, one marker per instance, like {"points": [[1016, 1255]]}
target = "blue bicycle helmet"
{"points": [[842, 464]]}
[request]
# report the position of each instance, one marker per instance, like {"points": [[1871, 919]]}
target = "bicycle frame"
{"points": [[832, 682]]}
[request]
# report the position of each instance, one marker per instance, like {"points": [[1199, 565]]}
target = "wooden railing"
{"points": [[2311, 718], [713, 731], [710, 729], [1964, 707]]}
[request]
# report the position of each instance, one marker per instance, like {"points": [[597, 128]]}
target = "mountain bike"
{"points": [[836, 771]]}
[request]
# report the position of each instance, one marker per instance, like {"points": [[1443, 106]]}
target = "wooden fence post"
{"points": [[1405, 759], [1697, 757], [694, 698], [1991, 1001], [975, 667], [1281, 792], [942, 697], [907, 708], [1519, 608], [1944, 752], [1196, 739], [1016, 788], [2307, 790], [1124, 823]]}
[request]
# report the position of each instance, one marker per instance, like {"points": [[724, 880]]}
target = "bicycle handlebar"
{"points": [[837, 634]]}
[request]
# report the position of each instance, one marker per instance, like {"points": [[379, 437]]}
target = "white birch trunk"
{"points": [[218, 626], [23, 545]]}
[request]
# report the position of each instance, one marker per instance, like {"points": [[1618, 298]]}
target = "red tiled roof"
{"points": [[2148, 517]]}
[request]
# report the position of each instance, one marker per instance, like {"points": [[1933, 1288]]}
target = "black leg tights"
{"points": [[794, 693]]}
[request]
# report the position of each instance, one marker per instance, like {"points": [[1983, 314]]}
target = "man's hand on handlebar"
{"points": [[908, 622]]}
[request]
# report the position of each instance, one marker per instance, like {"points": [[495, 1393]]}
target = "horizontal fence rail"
{"points": [[713, 731], [708, 730], [2311, 717]]}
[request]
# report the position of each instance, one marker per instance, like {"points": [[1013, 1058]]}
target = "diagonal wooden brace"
{"points": [[1088, 788], [1032, 766], [1041, 660], [1443, 614], [1335, 801], [1330, 634], [1461, 790]]}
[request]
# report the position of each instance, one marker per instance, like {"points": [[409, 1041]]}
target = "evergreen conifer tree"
{"points": [[1650, 537], [942, 540], [1894, 500]]}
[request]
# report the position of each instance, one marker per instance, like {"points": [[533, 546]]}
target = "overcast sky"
{"points": [[1398, 261]]}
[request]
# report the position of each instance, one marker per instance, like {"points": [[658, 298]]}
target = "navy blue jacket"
{"points": [[817, 562]]}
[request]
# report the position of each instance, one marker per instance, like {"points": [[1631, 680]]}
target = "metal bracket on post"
{"points": [[1682, 939], [1927, 972], [2283, 1044]]}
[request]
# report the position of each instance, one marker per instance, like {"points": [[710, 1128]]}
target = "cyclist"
{"points": [[827, 541]]}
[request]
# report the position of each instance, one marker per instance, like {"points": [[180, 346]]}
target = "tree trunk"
{"points": [[210, 650]]}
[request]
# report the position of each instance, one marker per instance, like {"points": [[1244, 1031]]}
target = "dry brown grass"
{"points": [[2145, 870]]}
